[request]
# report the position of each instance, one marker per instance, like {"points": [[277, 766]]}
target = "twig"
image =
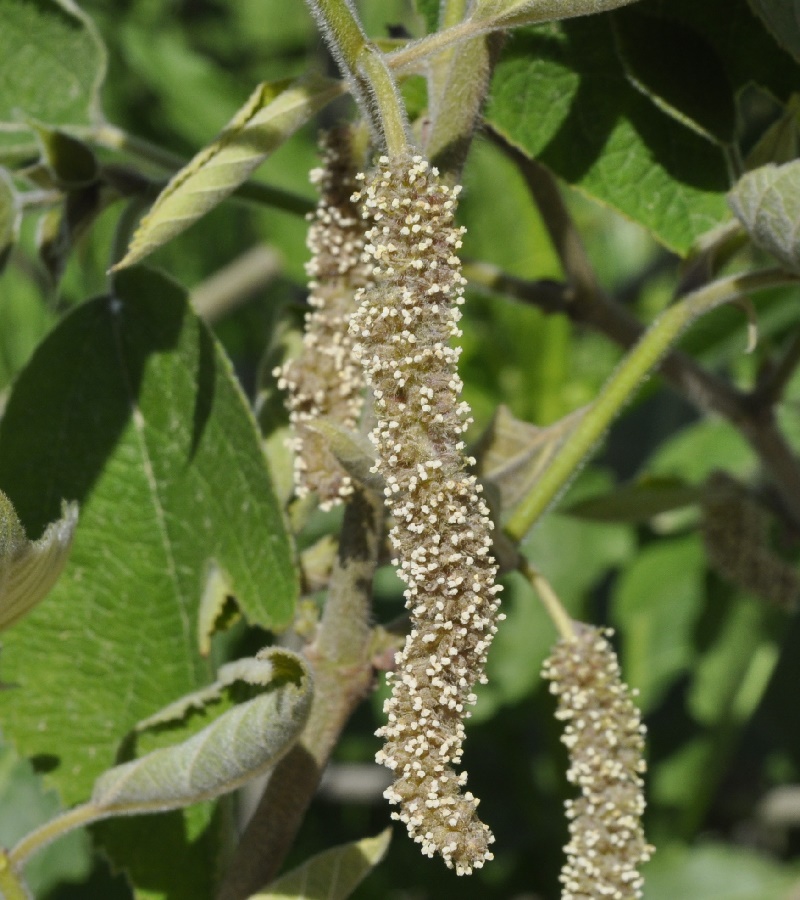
{"points": [[235, 283], [774, 379], [342, 676]]}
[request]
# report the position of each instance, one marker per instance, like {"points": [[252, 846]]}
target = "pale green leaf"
{"points": [[9, 217], [331, 875], [272, 113], [241, 744], [514, 13], [767, 202], [52, 63], [29, 569], [782, 18], [512, 455]]}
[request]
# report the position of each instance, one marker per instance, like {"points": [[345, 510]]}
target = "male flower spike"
{"points": [[442, 531]]}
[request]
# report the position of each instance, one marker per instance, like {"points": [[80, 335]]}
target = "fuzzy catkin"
{"points": [[605, 739], [325, 381], [441, 532]]}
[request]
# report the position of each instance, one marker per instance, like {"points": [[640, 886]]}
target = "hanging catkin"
{"points": [[442, 532]]}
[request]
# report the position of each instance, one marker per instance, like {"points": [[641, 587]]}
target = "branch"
{"points": [[340, 657]]}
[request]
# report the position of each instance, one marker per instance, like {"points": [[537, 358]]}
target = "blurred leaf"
{"points": [[767, 202], [29, 569], [429, 10], [131, 408], [648, 47], [515, 13], [331, 875], [241, 743], [24, 805], [9, 217], [52, 63], [270, 115], [657, 600], [560, 94], [782, 18], [638, 501], [353, 451], [780, 143], [72, 162], [694, 452], [713, 871]]}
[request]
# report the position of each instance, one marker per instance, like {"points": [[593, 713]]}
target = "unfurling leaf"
{"points": [[333, 874], [767, 202], [272, 113], [29, 569], [242, 743]]}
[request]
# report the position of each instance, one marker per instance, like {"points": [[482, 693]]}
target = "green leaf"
{"points": [[240, 744], [639, 501], [515, 13], [72, 162], [767, 202], [52, 63], [782, 18], [648, 46], [713, 871], [272, 113], [353, 451], [9, 217], [131, 408], [29, 569], [657, 601], [333, 874], [561, 95]]}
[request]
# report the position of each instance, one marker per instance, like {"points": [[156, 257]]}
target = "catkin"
{"points": [[325, 381], [605, 739], [442, 532]]}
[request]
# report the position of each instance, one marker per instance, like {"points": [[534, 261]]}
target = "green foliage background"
{"points": [[650, 159]]}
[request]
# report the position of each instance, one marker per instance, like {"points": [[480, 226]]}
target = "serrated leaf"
{"points": [[639, 501], [272, 113], [782, 18], [9, 217], [242, 743], [767, 202], [512, 455], [561, 95], [333, 874], [130, 407], [52, 63], [29, 569]]}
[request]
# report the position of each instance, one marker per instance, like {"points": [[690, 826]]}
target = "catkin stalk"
{"points": [[442, 531]]}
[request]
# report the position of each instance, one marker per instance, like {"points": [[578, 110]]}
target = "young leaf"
{"points": [[272, 113], [515, 13], [52, 63], [333, 874], [241, 744], [767, 202], [132, 409], [29, 569]]}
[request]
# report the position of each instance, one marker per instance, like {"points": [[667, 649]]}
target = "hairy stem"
{"points": [[622, 384], [342, 675]]}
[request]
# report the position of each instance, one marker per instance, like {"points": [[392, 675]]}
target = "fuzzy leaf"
{"points": [[561, 95], [782, 18], [333, 874], [353, 452], [29, 569], [131, 408], [242, 743], [272, 113], [515, 13], [52, 63], [512, 455], [767, 202]]}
